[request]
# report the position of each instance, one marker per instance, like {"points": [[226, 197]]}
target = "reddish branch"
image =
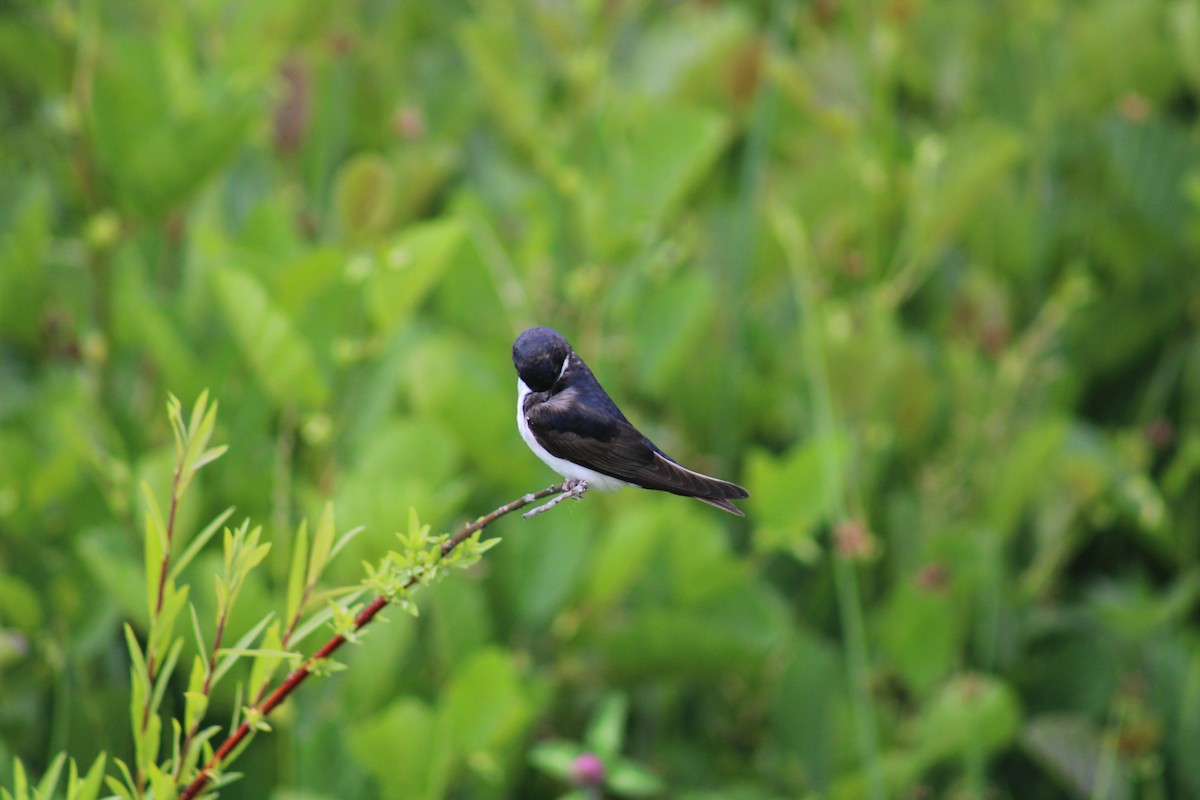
{"points": [[151, 664], [166, 559], [206, 689], [364, 617]]}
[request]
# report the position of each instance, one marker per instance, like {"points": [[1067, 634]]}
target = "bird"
{"points": [[570, 423]]}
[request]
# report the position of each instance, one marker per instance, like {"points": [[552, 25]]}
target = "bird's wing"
{"points": [[587, 433]]}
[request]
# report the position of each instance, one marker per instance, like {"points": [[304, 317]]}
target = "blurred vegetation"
{"points": [[921, 274]]}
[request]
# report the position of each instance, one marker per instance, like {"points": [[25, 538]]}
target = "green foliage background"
{"points": [[919, 273]]}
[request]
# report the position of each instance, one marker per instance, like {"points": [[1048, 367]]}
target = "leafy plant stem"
{"points": [[741, 244], [795, 243], [295, 621], [206, 690], [163, 577], [364, 618], [166, 559]]}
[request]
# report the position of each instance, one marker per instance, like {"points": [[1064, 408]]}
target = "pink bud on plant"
{"points": [[587, 770]]}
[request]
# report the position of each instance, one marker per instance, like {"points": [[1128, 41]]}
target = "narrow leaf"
{"points": [[322, 544], [137, 659], [210, 455], [175, 414], [225, 663], [296, 572], [345, 539], [256, 651], [89, 787], [319, 618], [49, 781], [163, 678], [607, 729], [20, 780], [270, 341], [161, 782], [196, 631], [196, 701], [263, 667]]}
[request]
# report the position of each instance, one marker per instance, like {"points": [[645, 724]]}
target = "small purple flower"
{"points": [[587, 770]]}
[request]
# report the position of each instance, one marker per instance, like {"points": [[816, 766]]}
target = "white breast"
{"points": [[568, 469]]}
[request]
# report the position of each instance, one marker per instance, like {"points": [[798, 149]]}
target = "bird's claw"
{"points": [[576, 489]]}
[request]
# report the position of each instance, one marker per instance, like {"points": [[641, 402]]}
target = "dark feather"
{"points": [[577, 420]]}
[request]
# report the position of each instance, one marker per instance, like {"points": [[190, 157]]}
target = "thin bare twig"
{"points": [[364, 618], [576, 489]]}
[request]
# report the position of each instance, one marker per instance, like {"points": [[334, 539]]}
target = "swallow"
{"points": [[571, 424]]}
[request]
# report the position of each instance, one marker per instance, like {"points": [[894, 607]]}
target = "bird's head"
{"points": [[540, 356]]}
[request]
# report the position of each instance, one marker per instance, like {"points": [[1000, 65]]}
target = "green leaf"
{"points": [[672, 317], [365, 196], [657, 152], [127, 789], [161, 782], [319, 617], [973, 715], [89, 787], [155, 149], [1023, 472], [484, 706], [400, 746], [950, 179], [195, 700], [296, 572], [201, 748], [622, 555], [345, 539], [141, 685], [49, 782], [405, 270], [199, 431], [144, 321], [265, 663], [1147, 158], [24, 280], [540, 573], [461, 622], [147, 742], [20, 781], [680, 645], [632, 780], [804, 708], [1184, 27], [607, 729], [322, 546], [198, 542], [163, 678], [162, 633], [20, 605], [155, 546], [270, 341], [922, 631], [1071, 749], [690, 52], [242, 646], [556, 758], [512, 86], [788, 502]]}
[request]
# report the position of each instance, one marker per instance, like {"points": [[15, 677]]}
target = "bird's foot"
{"points": [[576, 489]]}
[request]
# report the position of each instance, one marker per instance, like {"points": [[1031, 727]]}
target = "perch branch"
{"points": [[364, 617]]}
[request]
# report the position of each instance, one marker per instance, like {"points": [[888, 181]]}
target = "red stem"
{"points": [[151, 662], [206, 690], [364, 617]]}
